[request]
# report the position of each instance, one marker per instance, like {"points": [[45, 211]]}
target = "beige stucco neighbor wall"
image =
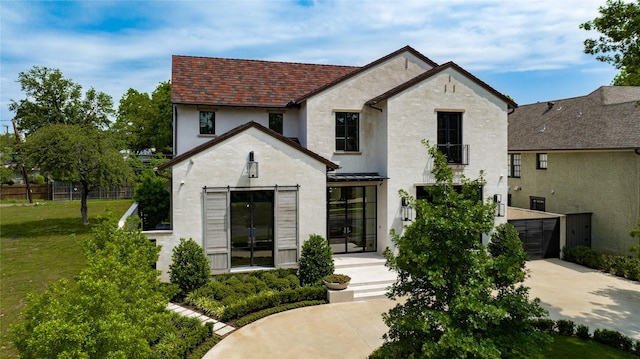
{"points": [[225, 165], [606, 183], [412, 116]]}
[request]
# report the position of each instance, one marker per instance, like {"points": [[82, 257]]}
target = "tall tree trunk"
{"points": [[83, 203]]}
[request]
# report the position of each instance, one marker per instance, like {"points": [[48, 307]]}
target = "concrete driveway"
{"points": [[586, 296], [355, 329]]}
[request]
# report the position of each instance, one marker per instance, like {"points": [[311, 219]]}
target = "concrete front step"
{"points": [[358, 260], [370, 278]]}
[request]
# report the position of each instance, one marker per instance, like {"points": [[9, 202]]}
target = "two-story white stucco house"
{"points": [[268, 153]]}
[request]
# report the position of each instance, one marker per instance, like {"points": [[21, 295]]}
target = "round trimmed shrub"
{"points": [[189, 269], [315, 260]]}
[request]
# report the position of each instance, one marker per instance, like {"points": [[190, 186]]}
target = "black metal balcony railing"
{"points": [[456, 154]]}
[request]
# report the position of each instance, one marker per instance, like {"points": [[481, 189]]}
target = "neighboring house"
{"points": [[268, 153], [581, 156]]}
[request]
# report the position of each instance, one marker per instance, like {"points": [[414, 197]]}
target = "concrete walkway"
{"points": [[355, 329]]}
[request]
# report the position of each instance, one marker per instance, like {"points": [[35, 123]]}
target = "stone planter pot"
{"points": [[336, 286]]}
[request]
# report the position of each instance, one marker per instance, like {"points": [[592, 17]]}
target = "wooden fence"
{"points": [[61, 191]]}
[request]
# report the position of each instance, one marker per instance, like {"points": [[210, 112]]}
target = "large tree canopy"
{"points": [[53, 99], [144, 121], [458, 300], [77, 153], [619, 43]]}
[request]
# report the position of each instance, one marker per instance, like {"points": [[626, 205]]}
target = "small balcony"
{"points": [[457, 154]]}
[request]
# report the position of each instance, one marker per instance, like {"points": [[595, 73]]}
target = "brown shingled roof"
{"points": [[234, 82], [607, 118]]}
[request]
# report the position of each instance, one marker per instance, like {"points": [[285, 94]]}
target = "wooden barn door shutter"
{"points": [[216, 235], [286, 226]]}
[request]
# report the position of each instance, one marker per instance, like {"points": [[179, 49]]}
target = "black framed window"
{"points": [[514, 164], [450, 135], [537, 203], [275, 122], [207, 122], [541, 161], [347, 131]]}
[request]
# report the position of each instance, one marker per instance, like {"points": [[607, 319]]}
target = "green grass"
{"points": [[572, 347], [40, 244]]}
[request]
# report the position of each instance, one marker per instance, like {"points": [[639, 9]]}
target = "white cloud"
{"points": [[113, 46]]}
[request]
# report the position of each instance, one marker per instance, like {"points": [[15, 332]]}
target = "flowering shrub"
{"points": [[336, 278]]}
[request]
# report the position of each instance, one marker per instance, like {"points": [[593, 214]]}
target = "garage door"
{"points": [[540, 237]]}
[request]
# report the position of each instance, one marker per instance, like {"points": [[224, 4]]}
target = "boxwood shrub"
{"points": [[622, 266], [231, 296], [613, 339]]}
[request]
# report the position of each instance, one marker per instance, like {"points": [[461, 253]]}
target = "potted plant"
{"points": [[336, 281]]}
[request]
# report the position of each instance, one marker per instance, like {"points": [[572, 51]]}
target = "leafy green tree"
{"points": [[115, 308], [7, 156], [636, 234], [153, 198], [454, 305], [316, 260], [619, 43], [145, 121], [77, 153], [190, 267], [53, 99]]}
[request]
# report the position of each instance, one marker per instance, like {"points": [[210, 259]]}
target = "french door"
{"points": [[252, 228], [351, 218]]}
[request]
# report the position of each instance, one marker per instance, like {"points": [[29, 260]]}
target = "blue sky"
{"points": [[530, 50]]}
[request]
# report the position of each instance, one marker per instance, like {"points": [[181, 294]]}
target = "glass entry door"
{"points": [[251, 228], [351, 218]]}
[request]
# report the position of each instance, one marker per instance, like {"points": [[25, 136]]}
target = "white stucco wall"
{"points": [[412, 116], [227, 118], [350, 96], [225, 165]]}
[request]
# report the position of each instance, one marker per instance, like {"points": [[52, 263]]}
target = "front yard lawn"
{"points": [[40, 244]]}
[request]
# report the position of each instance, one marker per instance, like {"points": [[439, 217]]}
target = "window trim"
{"points": [[540, 200], [346, 136], [281, 121], [455, 151], [542, 164], [512, 167], [213, 123]]}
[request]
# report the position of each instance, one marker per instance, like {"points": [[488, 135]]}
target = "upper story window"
{"points": [[514, 163], [347, 131], [541, 161], [275, 122], [207, 122], [450, 137]]}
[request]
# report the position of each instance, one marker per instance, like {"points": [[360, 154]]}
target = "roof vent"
{"points": [[550, 104]]}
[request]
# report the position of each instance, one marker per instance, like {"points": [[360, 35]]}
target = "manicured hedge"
{"points": [[231, 296], [607, 337], [622, 266], [269, 311], [189, 333]]}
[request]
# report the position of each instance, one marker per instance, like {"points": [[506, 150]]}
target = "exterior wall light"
{"points": [[252, 167], [497, 199], [406, 212]]}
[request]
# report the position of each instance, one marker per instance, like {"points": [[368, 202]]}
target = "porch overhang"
{"points": [[355, 177]]}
